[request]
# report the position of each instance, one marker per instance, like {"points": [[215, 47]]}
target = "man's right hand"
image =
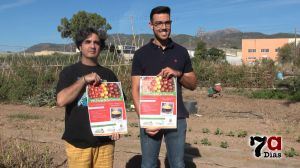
{"points": [[152, 131], [93, 78]]}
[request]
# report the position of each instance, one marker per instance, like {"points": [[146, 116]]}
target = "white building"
{"points": [[233, 56], [126, 51]]}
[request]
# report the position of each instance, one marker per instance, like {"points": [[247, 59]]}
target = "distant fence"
{"points": [[258, 76]]}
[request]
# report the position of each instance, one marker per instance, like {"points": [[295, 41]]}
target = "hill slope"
{"points": [[225, 38]]}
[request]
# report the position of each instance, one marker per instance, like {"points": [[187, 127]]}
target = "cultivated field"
{"points": [[227, 121]]}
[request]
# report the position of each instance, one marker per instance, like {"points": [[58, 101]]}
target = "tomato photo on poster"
{"points": [[158, 102], [106, 108]]}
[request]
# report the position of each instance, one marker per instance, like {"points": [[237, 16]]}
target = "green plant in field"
{"points": [[4, 87], [218, 131], [32, 79], [133, 124], [190, 129], [127, 135], [230, 133], [24, 116], [259, 76], [290, 92], [23, 84], [287, 131], [269, 94], [298, 140], [224, 144], [295, 96], [30, 83], [242, 133], [291, 153], [205, 130], [42, 98], [205, 141]]}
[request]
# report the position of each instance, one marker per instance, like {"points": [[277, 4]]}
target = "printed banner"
{"points": [[106, 107], [158, 102]]}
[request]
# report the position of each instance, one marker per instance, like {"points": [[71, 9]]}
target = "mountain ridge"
{"points": [[224, 38]]}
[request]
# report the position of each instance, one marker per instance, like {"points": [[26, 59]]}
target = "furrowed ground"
{"points": [[218, 136]]}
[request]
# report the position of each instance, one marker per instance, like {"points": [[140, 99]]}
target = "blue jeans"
{"points": [[175, 142]]}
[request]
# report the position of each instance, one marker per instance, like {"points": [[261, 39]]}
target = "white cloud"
{"points": [[13, 4]]}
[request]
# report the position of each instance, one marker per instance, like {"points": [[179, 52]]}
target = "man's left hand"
{"points": [[169, 72]]}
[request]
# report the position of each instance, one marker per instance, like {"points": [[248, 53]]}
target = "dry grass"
{"points": [[17, 153]]}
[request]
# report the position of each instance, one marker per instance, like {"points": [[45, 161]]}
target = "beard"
{"points": [[162, 35]]}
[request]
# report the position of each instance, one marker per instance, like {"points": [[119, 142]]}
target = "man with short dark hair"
{"points": [[163, 57], [82, 148]]}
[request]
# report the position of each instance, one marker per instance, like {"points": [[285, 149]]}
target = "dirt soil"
{"points": [[228, 113]]}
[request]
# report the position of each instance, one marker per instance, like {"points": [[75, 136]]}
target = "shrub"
{"points": [[205, 141], [205, 130], [258, 76], [224, 144], [291, 153], [32, 79], [270, 94], [42, 98], [218, 131], [295, 96], [242, 133], [276, 94], [230, 133], [23, 84], [127, 135], [133, 124]]}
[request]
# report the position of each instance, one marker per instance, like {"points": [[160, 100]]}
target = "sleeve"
{"points": [[114, 78], [136, 69], [187, 63], [64, 80]]}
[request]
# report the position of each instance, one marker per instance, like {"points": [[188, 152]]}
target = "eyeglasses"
{"points": [[159, 24]]}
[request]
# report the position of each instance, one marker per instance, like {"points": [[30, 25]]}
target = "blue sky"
{"points": [[29, 22]]}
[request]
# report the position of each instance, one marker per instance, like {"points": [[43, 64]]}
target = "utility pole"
{"points": [[295, 43], [200, 33], [293, 60], [132, 29]]}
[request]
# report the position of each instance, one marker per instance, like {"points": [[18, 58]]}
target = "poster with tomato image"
{"points": [[106, 108], [158, 102]]}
